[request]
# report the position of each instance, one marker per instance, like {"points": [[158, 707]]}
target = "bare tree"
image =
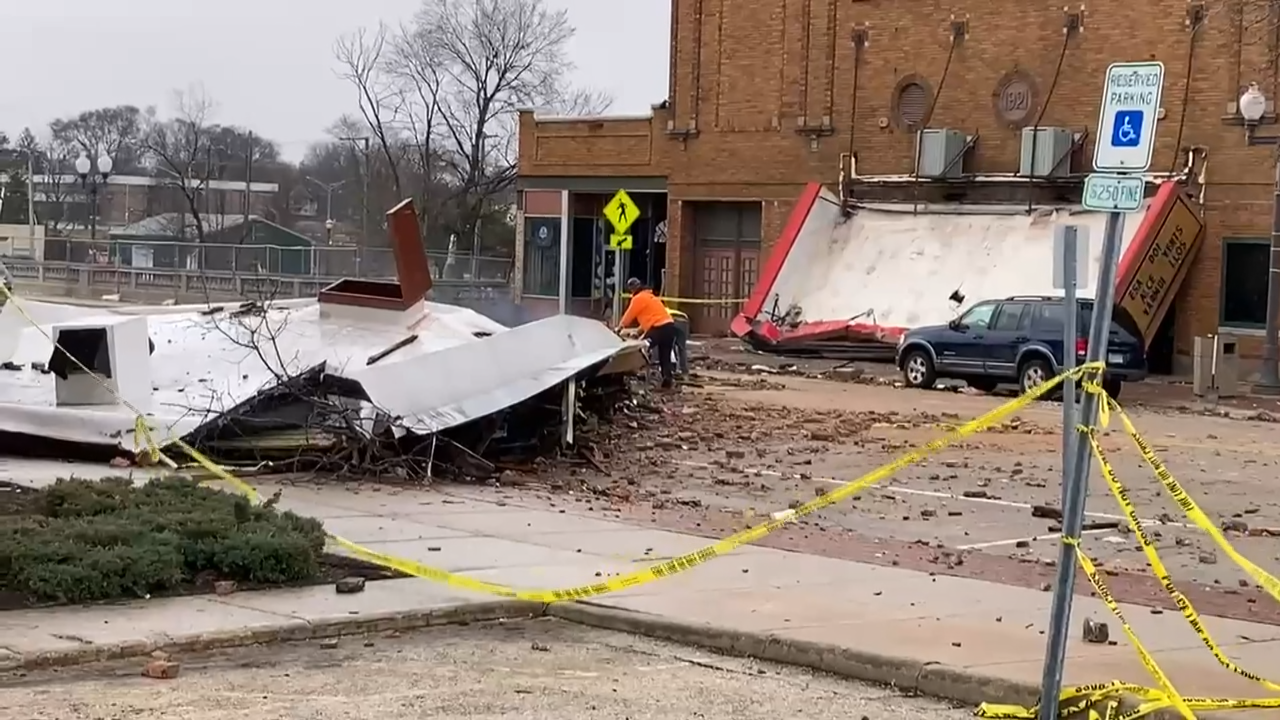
{"points": [[53, 163], [582, 102], [182, 152], [442, 95], [110, 131], [417, 73], [497, 56], [362, 57]]}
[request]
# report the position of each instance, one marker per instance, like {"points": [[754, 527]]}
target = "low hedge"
{"points": [[83, 541]]}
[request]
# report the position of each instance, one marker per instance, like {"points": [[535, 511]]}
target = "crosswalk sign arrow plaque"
{"points": [[621, 212], [619, 241]]}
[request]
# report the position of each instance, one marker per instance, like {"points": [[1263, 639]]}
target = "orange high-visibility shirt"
{"points": [[647, 310]]}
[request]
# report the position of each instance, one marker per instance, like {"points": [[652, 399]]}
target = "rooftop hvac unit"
{"points": [[940, 152], [115, 350], [1046, 152]]}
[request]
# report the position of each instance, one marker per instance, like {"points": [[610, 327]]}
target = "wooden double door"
{"points": [[727, 262]]}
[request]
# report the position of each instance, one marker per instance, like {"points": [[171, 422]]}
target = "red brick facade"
{"points": [[765, 96]]}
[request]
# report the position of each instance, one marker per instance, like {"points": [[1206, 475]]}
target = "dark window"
{"points": [[583, 261], [1244, 282], [1008, 317], [542, 257], [1049, 318], [728, 222], [978, 316]]}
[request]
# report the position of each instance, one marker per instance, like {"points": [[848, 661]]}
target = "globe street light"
{"points": [[1253, 106], [90, 182]]}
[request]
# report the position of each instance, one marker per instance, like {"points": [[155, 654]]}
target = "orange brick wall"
{"points": [[750, 77]]}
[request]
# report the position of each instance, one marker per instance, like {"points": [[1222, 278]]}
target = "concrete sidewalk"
{"points": [[952, 637]]}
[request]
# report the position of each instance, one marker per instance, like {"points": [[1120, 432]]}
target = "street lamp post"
{"points": [[328, 241], [1253, 105], [328, 207], [90, 181]]}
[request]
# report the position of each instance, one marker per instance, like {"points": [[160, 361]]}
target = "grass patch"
{"points": [[81, 541]]}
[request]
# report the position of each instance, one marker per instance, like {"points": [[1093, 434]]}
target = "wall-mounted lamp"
{"points": [[1252, 106]]}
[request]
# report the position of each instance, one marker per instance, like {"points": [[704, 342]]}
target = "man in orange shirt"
{"points": [[646, 310]]}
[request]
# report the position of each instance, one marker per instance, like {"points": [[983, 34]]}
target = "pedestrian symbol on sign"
{"points": [[1126, 131]]}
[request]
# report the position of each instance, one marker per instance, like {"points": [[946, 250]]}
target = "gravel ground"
{"points": [[731, 448], [525, 669]]}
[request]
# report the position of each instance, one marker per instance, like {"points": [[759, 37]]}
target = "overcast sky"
{"points": [[267, 63]]}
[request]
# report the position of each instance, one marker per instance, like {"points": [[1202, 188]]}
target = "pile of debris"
{"points": [[310, 424], [368, 379]]}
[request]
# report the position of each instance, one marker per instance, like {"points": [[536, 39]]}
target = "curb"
{"points": [[907, 675], [290, 630], [927, 678]]}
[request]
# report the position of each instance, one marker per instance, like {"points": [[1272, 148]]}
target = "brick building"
{"points": [[767, 96], [126, 199]]}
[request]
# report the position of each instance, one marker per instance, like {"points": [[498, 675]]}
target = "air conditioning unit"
{"points": [[940, 152], [1046, 152], [115, 350]]}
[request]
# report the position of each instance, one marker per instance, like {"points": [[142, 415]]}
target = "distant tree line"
{"points": [[434, 119]]}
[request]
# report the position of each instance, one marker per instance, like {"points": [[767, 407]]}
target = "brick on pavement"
{"points": [[985, 628]]}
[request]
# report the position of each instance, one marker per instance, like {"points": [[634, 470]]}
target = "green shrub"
{"points": [[109, 539]]}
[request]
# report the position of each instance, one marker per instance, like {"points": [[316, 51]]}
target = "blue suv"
{"points": [[1015, 340]]}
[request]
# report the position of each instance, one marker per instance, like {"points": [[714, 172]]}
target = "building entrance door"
{"points": [[727, 251]]}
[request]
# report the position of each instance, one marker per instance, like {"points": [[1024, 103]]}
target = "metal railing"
{"points": [[191, 272]]}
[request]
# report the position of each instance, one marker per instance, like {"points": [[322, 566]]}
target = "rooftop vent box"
{"points": [[940, 152], [1046, 152], [394, 300], [102, 362]]}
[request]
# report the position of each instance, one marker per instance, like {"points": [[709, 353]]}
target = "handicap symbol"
{"points": [[1126, 131]]}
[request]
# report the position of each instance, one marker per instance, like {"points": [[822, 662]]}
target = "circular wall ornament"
{"points": [[1016, 99]]}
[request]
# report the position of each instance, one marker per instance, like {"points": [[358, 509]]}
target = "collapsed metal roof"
{"points": [[371, 358]]}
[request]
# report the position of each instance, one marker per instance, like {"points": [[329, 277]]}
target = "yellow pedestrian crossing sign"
{"points": [[619, 241], [621, 212]]}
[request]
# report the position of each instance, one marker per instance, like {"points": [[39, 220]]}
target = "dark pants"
{"points": [[664, 339], [682, 350]]}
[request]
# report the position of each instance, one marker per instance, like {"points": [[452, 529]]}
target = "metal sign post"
{"points": [[1126, 142], [565, 248], [616, 312], [1070, 254], [621, 212]]}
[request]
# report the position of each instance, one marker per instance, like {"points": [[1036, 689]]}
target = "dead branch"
{"points": [[361, 56]]}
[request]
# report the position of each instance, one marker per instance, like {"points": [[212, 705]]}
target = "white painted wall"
{"points": [[896, 268]]}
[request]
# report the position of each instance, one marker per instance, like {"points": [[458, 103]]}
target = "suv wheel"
{"points": [[1111, 386], [1032, 374], [918, 370]]}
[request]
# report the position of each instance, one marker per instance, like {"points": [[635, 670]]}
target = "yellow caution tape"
{"points": [[1191, 509], [629, 580], [684, 562], [668, 300], [1077, 699], [1121, 494], [1071, 701]]}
